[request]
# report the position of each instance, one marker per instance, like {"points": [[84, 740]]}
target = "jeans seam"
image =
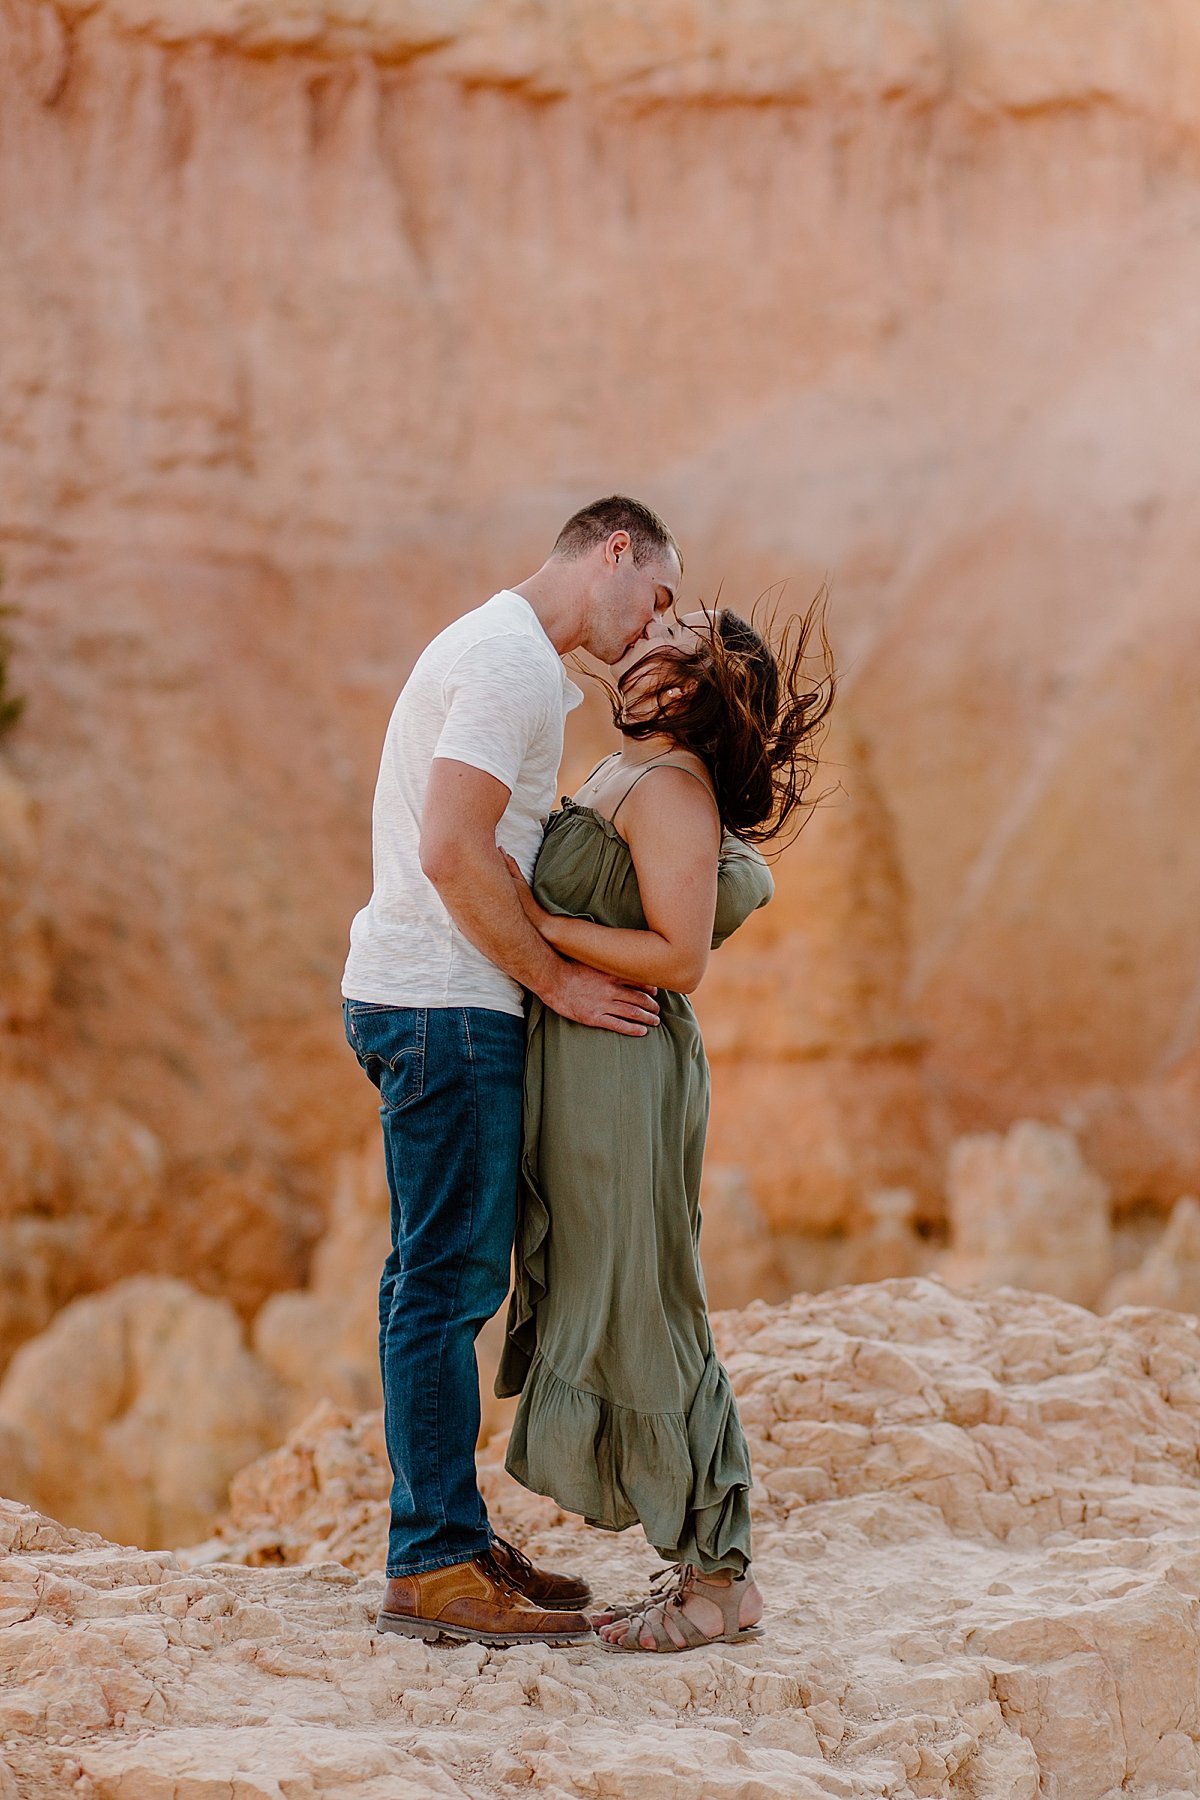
{"points": [[437, 1419], [422, 1029], [441, 1492], [435, 1394], [457, 1280]]}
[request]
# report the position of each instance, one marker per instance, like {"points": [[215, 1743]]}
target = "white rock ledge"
{"points": [[997, 1599]]}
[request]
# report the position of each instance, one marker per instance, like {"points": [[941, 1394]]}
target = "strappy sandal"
{"points": [[726, 1596], [660, 1586]]}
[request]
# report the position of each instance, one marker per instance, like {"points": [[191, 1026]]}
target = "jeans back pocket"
{"points": [[389, 1042]]}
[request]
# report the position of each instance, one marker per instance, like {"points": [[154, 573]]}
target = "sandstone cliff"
{"points": [[318, 317]]}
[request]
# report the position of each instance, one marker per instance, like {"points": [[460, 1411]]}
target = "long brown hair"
{"points": [[744, 701]]}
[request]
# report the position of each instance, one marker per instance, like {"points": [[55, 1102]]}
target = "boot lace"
{"points": [[494, 1563], [514, 1559]]}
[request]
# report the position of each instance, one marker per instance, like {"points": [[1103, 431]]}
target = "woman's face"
{"points": [[664, 633], [667, 636]]}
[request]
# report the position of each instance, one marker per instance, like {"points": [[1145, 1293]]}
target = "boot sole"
{"points": [[431, 1630]]}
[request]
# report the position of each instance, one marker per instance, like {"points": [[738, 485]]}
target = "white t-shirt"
{"points": [[491, 691]]}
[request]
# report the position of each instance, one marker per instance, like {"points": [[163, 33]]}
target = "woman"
{"points": [[626, 1415]]}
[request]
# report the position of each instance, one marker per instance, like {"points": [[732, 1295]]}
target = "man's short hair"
{"points": [[592, 525]]}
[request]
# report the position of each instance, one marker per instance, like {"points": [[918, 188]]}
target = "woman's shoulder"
{"points": [[676, 780]]}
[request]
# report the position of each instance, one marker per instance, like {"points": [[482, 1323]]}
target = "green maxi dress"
{"points": [[626, 1414]]}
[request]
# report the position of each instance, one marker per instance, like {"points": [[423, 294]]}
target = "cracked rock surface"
{"points": [[978, 1532]]}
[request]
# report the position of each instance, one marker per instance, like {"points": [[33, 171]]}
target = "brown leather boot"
{"points": [[473, 1602], [542, 1586]]}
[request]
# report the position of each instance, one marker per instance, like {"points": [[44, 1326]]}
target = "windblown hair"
{"points": [[744, 702], [591, 525]]}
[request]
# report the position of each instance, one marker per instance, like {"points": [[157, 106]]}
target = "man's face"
{"points": [[630, 601]]}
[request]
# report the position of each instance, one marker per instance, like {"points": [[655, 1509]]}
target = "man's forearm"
{"points": [[477, 892]]}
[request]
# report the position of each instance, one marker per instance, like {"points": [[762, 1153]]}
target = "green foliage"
{"points": [[11, 705]]}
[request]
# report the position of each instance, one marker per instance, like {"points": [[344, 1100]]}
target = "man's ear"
{"points": [[616, 546]]}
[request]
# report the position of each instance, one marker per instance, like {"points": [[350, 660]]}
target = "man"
{"points": [[434, 1013]]}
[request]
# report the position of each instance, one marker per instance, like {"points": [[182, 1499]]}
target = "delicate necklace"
{"points": [[644, 761]]}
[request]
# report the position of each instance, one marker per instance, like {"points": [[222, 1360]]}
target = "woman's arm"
{"points": [[674, 838]]}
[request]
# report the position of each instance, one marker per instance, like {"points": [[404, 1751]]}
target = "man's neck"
{"points": [[558, 605]]}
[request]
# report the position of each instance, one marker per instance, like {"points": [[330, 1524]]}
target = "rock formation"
{"points": [[25, 966], [817, 1087], [1143, 1136], [83, 1194], [355, 303], [740, 1254], [133, 1409], [976, 1528], [321, 1340], [890, 1244], [78, 1181], [1025, 1210], [173, 1395], [1169, 1274]]}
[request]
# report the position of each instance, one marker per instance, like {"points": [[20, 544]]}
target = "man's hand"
{"points": [[584, 994], [591, 998]]}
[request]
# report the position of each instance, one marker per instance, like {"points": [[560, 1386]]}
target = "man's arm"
{"points": [[459, 855]]}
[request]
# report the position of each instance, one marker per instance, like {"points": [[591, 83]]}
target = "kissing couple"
{"points": [[516, 989]]}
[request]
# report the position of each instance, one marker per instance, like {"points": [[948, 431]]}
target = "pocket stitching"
{"points": [[415, 1052]]}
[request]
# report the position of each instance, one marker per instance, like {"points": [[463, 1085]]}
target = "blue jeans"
{"points": [[450, 1083]]}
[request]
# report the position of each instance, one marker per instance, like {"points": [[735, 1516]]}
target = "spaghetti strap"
{"points": [[600, 765], [649, 770]]}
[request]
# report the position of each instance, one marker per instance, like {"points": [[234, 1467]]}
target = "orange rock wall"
{"points": [[317, 320]]}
